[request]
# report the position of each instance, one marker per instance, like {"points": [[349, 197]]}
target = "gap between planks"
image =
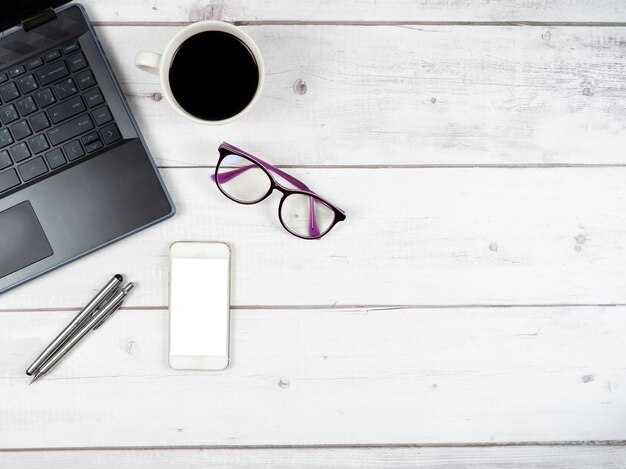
{"points": [[427, 166], [339, 446], [582, 24], [340, 307]]}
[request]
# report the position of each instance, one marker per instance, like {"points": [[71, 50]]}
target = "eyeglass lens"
{"points": [[242, 179], [306, 216]]}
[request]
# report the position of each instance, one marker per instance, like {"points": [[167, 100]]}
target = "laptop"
{"points": [[75, 172]]}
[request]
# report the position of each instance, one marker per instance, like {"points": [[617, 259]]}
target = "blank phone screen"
{"points": [[199, 307]]}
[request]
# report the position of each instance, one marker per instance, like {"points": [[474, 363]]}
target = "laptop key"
{"points": [[21, 130], [66, 109], [19, 152], [8, 179], [52, 55], [8, 92], [102, 115], [39, 121], [44, 98], [77, 61], [93, 97], [3, 77], [5, 159], [85, 79], [55, 158], [73, 150], [38, 143], [70, 129], [90, 137], [33, 168], [5, 138], [65, 88], [33, 64], [8, 114], [71, 47], [93, 146], [52, 72], [26, 106], [17, 71], [27, 83], [110, 134]]}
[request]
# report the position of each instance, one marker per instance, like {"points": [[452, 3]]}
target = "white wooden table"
{"points": [[471, 312]]}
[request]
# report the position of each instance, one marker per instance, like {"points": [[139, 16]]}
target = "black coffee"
{"points": [[213, 75]]}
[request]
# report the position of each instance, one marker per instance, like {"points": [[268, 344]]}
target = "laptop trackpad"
{"points": [[23, 241]]}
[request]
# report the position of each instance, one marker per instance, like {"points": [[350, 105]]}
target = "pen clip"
{"points": [[116, 306], [106, 300]]}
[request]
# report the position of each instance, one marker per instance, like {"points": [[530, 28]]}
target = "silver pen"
{"points": [[96, 320], [104, 295]]}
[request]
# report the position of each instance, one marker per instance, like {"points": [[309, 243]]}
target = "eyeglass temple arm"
{"points": [[228, 175], [296, 182]]}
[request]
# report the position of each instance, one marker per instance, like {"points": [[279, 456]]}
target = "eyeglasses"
{"points": [[246, 179]]}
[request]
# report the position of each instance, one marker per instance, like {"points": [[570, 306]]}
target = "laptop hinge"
{"points": [[41, 18]]}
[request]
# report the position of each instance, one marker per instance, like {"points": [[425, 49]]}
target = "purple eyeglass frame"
{"points": [[226, 149]]}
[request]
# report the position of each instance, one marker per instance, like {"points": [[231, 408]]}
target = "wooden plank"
{"points": [[184, 11], [445, 96], [412, 237], [316, 377], [513, 457]]}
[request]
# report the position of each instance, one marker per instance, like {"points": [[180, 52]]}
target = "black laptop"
{"points": [[75, 173]]}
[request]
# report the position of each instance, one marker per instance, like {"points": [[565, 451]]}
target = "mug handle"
{"points": [[148, 62]]}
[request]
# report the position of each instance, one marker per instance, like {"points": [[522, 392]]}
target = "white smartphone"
{"points": [[199, 298]]}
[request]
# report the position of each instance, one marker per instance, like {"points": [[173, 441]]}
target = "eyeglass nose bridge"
{"points": [[285, 190]]}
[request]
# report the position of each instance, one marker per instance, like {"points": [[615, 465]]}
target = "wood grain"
{"points": [[336, 376], [370, 85], [412, 237], [520, 457], [183, 11], [445, 96]]}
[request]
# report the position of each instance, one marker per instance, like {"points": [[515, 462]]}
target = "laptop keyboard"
{"points": [[52, 114]]}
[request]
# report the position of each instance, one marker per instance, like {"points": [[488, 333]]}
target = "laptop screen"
{"points": [[14, 11]]}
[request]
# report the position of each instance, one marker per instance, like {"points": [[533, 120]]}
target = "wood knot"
{"points": [[299, 87], [580, 240], [283, 383], [200, 11], [586, 91], [157, 97], [587, 378], [131, 347]]}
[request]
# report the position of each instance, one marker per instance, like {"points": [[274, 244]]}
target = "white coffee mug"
{"points": [[158, 64]]}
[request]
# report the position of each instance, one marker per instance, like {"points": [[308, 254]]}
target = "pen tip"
{"points": [[37, 376], [119, 277]]}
